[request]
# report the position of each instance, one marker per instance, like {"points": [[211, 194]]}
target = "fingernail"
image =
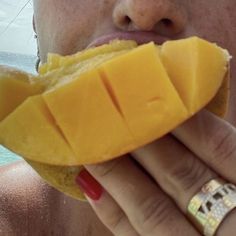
{"points": [[89, 185]]}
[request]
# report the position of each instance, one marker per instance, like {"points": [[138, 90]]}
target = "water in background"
{"points": [[25, 63], [7, 157], [20, 61]]}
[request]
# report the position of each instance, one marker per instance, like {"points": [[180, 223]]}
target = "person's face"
{"points": [[67, 26]]}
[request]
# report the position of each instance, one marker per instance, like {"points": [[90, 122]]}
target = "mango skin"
{"points": [[219, 104], [60, 177]]}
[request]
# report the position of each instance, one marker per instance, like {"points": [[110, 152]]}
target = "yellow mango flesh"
{"points": [[54, 78], [147, 99], [31, 132], [95, 129], [15, 87], [63, 177], [55, 61], [197, 71], [114, 108]]}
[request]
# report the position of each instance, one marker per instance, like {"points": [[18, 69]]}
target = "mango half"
{"points": [[115, 103], [60, 177]]}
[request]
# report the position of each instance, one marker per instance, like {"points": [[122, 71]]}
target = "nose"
{"points": [[165, 17]]}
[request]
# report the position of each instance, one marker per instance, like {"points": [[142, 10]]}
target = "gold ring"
{"points": [[209, 207]]}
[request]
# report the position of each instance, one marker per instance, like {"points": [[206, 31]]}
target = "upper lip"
{"points": [[140, 37]]}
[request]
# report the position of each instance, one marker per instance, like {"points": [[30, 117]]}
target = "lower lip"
{"points": [[139, 37]]}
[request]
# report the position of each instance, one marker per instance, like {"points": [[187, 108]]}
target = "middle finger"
{"points": [[175, 168]]}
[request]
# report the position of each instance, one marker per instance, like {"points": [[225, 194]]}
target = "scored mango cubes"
{"points": [[101, 112], [198, 70], [147, 99], [88, 118], [31, 131]]}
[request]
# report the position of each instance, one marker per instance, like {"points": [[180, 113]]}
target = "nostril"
{"points": [[167, 22], [126, 20]]}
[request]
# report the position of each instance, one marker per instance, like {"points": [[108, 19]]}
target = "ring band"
{"points": [[208, 208]]}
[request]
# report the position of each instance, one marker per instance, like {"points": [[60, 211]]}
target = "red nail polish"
{"points": [[89, 185]]}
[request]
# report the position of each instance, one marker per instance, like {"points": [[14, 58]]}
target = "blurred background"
{"points": [[17, 46], [17, 43]]}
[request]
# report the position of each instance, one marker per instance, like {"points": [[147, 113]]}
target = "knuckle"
{"points": [[222, 145], [189, 173], [154, 212], [115, 221]]}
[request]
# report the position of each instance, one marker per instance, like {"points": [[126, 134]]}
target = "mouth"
{"points": [[141, 37]]}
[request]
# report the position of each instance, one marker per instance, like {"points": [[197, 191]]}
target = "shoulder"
{"points": [[23, 195], [19, 182], [28, 206]]}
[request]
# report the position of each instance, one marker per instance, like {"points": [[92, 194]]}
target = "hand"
{"points": [[147, 192]]}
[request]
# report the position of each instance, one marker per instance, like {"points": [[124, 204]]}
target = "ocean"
{"points": [[20, 61], [7, 157], [25, 63]]}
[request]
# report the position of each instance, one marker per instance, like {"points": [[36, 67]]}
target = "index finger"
{"points": [[148, 208], [213, 140]]}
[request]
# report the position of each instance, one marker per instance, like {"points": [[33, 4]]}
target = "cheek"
{"points": [[214, 22], [64, 28], [71, 35]]}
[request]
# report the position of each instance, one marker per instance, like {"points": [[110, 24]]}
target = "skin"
{"points": [[66, 27]]}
